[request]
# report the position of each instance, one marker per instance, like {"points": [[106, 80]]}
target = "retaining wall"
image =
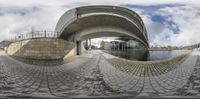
{"points": [[41, 48]]}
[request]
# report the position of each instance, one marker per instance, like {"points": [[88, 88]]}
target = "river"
{"points": [[145, 55]]}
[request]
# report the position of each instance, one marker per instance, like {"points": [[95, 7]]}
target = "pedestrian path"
{"points": [[97, 74], [150, 78]]}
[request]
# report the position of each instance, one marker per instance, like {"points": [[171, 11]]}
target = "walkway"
{"points": [[98, 74]]}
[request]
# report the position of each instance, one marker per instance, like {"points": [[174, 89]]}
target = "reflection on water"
{"points": [[145, 55]]}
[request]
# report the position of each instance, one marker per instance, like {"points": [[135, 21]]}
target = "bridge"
{"points": [[88, 22], [77, 26]]}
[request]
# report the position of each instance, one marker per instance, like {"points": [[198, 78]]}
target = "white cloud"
{"points": [[187, 19], [49, 11], [13, 23], [154, 29], [107, 2]]}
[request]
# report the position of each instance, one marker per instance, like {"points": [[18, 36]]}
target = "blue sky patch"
{"points": [[163, 20], [151, 9]]}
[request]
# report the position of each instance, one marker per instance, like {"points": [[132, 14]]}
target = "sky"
{"points": [[168, 22]]}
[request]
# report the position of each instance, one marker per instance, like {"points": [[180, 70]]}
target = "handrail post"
{"points": [[45, 33], [57, 34], [32, 34]]}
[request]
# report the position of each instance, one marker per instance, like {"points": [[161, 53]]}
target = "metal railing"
{"points": [[36, 34], [192, 46]]}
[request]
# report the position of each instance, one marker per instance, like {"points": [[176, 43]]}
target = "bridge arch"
{"points": [[86, 22]]}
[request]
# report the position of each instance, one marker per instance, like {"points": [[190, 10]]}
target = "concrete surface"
{"points": [[41, 48]]}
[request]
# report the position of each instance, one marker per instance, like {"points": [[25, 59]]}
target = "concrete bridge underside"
{"points": [[89, 22]]}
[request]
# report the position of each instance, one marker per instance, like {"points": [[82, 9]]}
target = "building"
{"points": [[105, 45]]}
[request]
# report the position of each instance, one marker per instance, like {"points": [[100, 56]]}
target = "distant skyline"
{"points": [[168, 22]]}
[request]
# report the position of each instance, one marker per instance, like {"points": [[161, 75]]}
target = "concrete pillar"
{"points": [[114, 46], [75, 47], [78, 46], [90, 44], [75, 44], [127, 45], [87, 44], [118, 46], [122, 46]]}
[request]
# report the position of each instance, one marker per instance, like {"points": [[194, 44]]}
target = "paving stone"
{"points": [[100, 74]]}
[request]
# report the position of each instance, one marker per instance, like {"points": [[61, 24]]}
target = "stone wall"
{"points": [[41, 48]]}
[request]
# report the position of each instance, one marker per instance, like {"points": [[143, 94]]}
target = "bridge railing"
{"points": [[36, 34]]}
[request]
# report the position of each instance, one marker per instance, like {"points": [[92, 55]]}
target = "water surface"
{"points": [[145, 55]]}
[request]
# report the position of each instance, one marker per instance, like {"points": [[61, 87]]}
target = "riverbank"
{"points": [[146, 55], [98, 75]]}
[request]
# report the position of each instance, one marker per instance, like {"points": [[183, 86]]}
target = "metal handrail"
{"points": [[36, 34]]}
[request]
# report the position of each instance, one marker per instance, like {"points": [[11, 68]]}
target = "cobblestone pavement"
{"points": [[98, 74]]}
